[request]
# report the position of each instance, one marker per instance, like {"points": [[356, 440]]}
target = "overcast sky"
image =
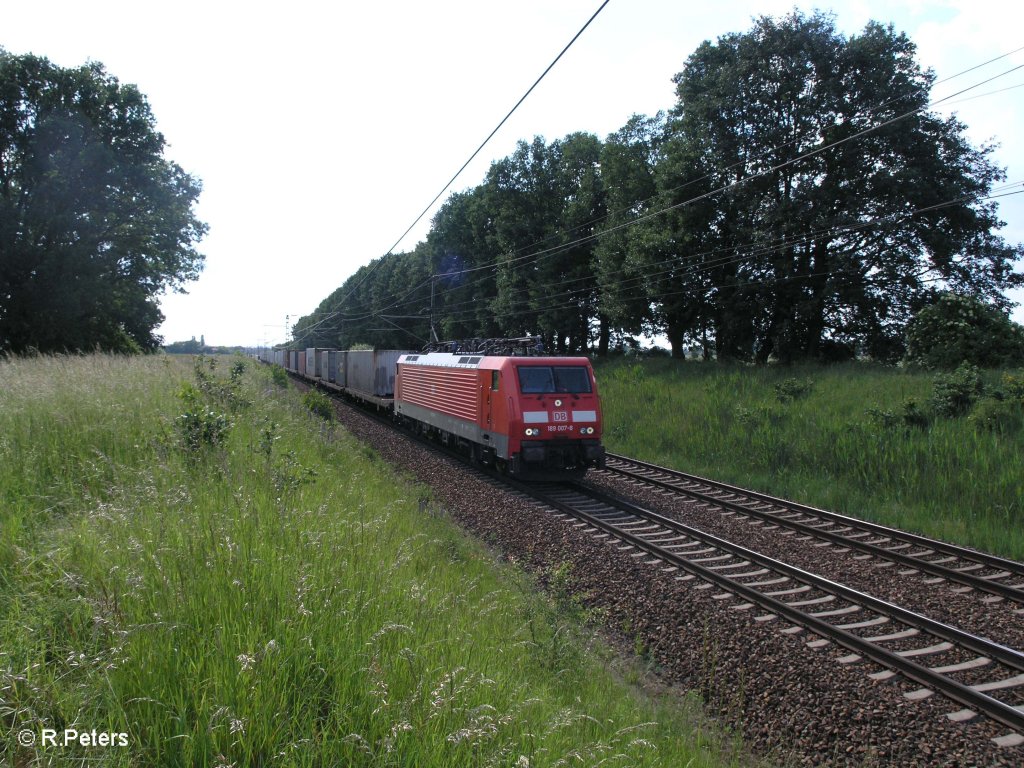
{"points": [[321, 130]]}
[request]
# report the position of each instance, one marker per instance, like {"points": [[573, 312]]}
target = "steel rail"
{"points": [[980, 583], [978, 701], [965, 695]]}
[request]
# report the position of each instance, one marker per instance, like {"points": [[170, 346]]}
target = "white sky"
{"points": [[321, 130]]}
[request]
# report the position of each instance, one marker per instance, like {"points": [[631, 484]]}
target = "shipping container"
{"points": [[314, 367], [372, 372], [332, 366]]}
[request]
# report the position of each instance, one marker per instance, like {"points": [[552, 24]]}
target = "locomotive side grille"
{"points": [[451, 390]]}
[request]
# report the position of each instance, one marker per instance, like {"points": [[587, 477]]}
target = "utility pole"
{"points": [[433, 331]]}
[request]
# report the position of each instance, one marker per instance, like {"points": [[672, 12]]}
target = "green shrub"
{"points": [[953, 394], [758, 416], [227, 393], [200, 426], [1013, 385], [910, 416], [279, 376], [319, 404], [882, 418], [963, 329], [1004, 417], [913, 416], [789, 390]]}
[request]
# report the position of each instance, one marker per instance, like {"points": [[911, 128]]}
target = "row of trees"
{"points": [[798, 201], [95, 223]]}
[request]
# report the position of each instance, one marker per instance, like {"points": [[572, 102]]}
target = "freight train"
{"points": [[498, 401]]}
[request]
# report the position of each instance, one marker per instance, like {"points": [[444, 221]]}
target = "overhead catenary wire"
{"points": [[763, 154], [476, 152], [561, 246], [537, 255], [490, 136], [697, 264]]}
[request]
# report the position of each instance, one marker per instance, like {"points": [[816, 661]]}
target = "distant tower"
{"points": [[202, 340]]}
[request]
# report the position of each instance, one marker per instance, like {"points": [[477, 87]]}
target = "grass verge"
{"points": [[192, 559], [860, 439]]}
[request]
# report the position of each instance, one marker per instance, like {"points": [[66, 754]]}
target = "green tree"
{"points": [[628, 161], [464, 254], [192, 347], [94, 222], [842, 198], [963, 329], [546, 201], [520, 192], [566, 295], [384, 305], [681, 252]]}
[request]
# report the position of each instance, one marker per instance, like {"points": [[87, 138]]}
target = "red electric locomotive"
{"points": [[531, 416]]}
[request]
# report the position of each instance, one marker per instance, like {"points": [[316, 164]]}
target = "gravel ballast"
{"points": [[791, 703]]}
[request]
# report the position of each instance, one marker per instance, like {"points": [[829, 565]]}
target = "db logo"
{"points": [[559, 416]]}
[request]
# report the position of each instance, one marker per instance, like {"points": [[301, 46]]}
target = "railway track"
{"points": [[842, 726], [985, 679], [982, 677], [999, 578]]}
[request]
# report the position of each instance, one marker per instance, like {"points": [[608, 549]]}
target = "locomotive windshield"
{"points": [[548, 379]]}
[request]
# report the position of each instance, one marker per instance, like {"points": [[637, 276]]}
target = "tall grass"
{"points": [[271, 595], [839, 437]]}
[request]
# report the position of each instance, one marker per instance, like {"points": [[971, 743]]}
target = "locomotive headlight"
{"points": [[530, 432], [558, 403]]}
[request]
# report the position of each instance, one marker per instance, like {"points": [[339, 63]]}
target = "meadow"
{"points": [[195, 564], [940, 455]]}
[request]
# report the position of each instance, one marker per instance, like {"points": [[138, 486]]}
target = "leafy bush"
{"points": [[793, 389], [913, 416], [318, 404], [279, 375], [199, 426], [758, 416], [963, 329], [910, 416], [954, 394], [1013, 385], [1005, 417], [228, 392]]}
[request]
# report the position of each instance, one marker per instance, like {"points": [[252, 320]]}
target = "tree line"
{"points": [[800, 200], [95, 223]]}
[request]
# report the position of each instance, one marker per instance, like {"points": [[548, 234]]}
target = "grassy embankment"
{"points": [[843, 438], [230, 580]]}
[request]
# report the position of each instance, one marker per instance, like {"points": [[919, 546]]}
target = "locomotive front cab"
{"points": [[556, 428]]}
